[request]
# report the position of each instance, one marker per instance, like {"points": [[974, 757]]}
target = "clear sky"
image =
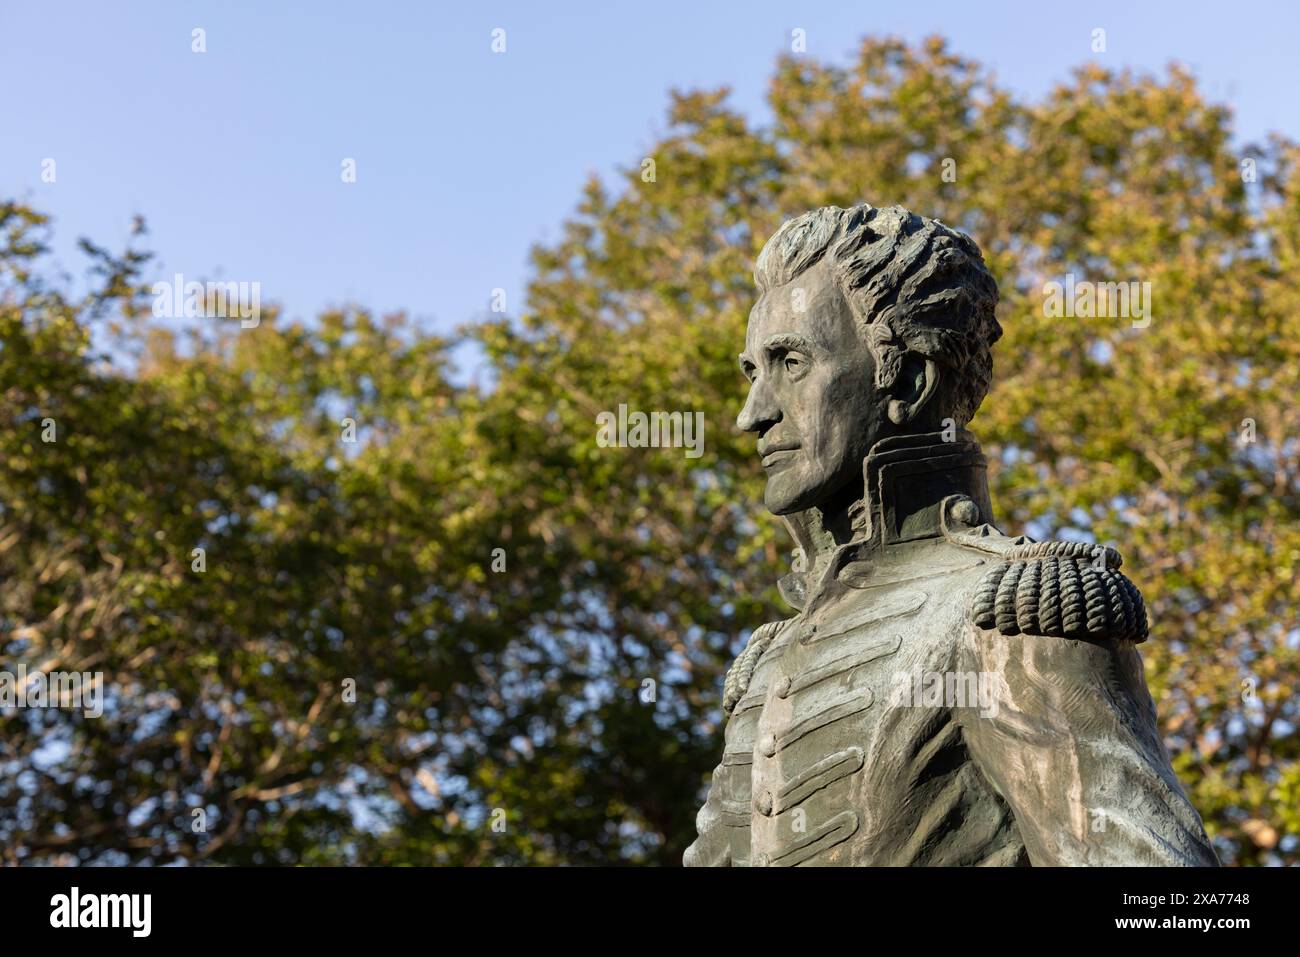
{"points": [[465, 157]]}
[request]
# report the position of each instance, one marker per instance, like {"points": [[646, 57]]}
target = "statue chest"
{"points": [[821, 712]]}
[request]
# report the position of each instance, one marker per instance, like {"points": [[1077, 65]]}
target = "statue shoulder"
{"points": [[1055, 588]]}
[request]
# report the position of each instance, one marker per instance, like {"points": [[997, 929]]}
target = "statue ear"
{"points": [[916, 383]]}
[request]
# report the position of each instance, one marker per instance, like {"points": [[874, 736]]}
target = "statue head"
{"points": [[869, 323]]}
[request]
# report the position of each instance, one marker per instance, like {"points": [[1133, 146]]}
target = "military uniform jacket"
{"points": [[947, 696]]}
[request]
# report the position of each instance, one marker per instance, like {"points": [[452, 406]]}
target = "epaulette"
{"points": [[1061, 589]]}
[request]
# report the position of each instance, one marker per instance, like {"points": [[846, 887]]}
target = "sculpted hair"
{"points": [[914, 285]]}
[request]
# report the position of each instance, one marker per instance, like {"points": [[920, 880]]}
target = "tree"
{"points": [[536, 625]]}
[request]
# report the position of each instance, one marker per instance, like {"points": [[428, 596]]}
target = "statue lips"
{"points": [[773, 456]]}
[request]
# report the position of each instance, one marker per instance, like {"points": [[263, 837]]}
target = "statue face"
{"points": [[812, 398]]}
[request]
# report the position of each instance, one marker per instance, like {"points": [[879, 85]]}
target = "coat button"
{"points": [[768, 745], [764, 804], [783, 687], [966, 511]]}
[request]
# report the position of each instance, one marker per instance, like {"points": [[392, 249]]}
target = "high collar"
{"points": [[906, 479]]}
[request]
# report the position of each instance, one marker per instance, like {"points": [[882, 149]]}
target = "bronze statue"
{"points": [[945, 695]]}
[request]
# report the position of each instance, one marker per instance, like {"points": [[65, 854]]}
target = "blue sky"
{"points": [[465, 158]]}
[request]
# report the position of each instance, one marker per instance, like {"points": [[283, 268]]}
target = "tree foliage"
{"points": [[565, 708]]}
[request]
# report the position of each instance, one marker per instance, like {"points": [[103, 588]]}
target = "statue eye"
{"points": [[794, 365]]}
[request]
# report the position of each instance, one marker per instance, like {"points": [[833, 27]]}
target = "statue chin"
{"points": [[785, 497], [780, 506], [782, 496], [788, 492]]}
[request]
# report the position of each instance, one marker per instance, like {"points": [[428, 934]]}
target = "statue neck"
{"points": [[905, 478]]}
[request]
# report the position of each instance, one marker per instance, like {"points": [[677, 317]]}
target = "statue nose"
{"points": [[761, 411]]}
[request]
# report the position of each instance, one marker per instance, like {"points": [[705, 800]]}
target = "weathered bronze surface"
{"points": [[945, 694]]}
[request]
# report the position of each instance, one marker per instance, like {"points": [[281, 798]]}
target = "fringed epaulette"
{"points": [[1063, 589], [742, 669]]}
